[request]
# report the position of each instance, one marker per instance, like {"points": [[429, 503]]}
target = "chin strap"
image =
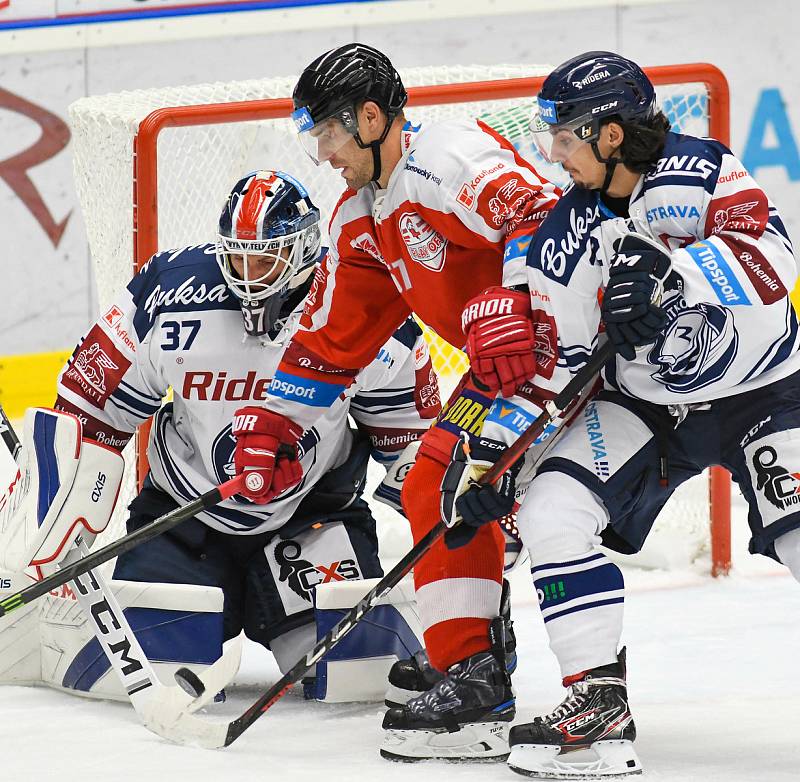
{"points": [[611, 165], [375, 146]]}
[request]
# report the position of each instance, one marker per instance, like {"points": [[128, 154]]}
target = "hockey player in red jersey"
{"points": [[422, 227]]}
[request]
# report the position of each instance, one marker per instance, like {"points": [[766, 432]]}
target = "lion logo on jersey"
{"points": [[92, 363], [425, 245], [696, 349]]}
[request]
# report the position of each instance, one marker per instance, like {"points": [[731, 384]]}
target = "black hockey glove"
{"points": [[630, 308], [467, 505], [481, 504]]}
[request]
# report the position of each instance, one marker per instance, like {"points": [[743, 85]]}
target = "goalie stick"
{"points": [[70, 571], [165, 710], [224, 734]]}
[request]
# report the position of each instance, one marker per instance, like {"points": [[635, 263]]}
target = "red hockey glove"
{"points": [[500, 339], [259, 435]]}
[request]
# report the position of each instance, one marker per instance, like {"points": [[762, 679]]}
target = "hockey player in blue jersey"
{"points": [[667, 244], [211, 321]]}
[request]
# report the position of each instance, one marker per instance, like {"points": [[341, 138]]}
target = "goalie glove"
{"points": [[66, 486]]}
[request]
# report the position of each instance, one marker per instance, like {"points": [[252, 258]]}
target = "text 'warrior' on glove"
{"points": [[630, 309], [503, 339], [266, 453]]}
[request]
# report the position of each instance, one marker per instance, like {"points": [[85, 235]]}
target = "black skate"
{"points": [[410, 678], [589, 735], [465, 716]]}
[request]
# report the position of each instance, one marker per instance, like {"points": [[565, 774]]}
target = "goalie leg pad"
{"points": [[20, 657], [67, 486], [357, 669], [177, 625]]}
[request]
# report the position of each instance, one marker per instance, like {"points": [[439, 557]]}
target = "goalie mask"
{"points": [[268, 243]]}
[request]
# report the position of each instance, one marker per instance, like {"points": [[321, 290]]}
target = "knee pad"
{"points": [[560, 518]]}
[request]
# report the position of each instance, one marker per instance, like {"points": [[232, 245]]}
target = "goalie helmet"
{"points": [[329, 92], [269, 227]]}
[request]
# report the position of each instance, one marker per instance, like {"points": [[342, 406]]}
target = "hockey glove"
{"points": [[466, 505], [500, 339], [266, 453], [630, 308]]}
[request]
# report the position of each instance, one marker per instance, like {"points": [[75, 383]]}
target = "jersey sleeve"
{"points": [[351, 311], [397, 395], [110, 382], [733, 249], [487, 192]]}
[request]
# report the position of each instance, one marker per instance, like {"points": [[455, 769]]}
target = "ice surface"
{"points": [[713, 684]]}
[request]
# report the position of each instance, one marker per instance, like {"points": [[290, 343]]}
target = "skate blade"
{"points": [[485, 741], [603, 760], [396, 697]]}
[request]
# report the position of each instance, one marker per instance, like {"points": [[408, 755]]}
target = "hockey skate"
{"points": [[589, 736], [411, 677], [465, 716]]}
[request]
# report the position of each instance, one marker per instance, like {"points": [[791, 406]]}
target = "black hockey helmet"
{"points": [[333, 86], [270, 222], [583, 91]]}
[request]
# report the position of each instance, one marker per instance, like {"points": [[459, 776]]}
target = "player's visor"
{"points": [[558, 142], [323, 139]]}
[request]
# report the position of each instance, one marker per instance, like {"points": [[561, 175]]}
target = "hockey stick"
{"points": [[72, 570], [153, 701], [229, 732]]}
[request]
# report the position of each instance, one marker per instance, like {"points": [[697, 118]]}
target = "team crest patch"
{"points": [[424, 244]]}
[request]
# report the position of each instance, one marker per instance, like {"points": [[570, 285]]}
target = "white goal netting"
{"points": [[197, 166]]}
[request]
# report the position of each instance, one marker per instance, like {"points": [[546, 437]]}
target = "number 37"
{"points": [[173, 331]]}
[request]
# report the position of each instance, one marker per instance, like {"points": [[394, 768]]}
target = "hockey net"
{"points": [[153, 167]]}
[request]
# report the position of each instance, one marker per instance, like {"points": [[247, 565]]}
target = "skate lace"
{"points": [[578, 693], [445, 690]]}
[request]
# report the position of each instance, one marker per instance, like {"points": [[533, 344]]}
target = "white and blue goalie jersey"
{"points": [[177, 326], [731, 324]]}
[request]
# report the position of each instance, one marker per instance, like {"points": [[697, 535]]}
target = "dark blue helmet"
{"points": [[271, 225], [592, 86]]}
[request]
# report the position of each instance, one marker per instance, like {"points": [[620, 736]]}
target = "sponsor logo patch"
{"points": [[310, 392], [718, 273], [97, 368], [744, 212], [508, 200], [690, 163], [597, 443], [466, 197]]}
